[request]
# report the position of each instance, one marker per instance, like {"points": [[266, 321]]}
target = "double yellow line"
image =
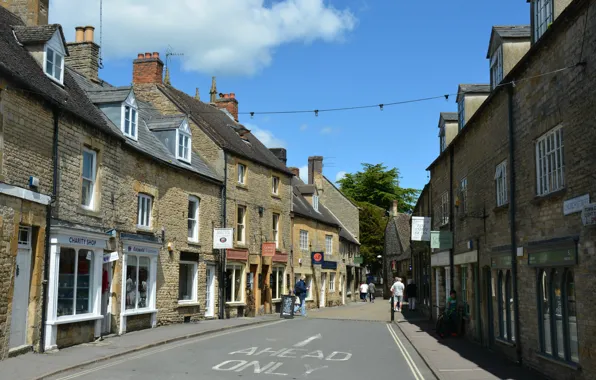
{"points": [[405, 354]]}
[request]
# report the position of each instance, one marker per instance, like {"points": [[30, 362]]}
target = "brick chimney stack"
{"points": [[32, 12], [315, 166], [295, 170], [84, 53], [147, 69], [228, 102]]}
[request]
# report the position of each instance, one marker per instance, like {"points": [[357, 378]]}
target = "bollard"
{"points": [[392, 308]]}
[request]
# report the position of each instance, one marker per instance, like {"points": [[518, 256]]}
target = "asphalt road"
{"points": [[301, 348]]}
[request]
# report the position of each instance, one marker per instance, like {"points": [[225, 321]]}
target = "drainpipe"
{"points": [[512, 212], [222, 252], [451, 218], [46, 263]]}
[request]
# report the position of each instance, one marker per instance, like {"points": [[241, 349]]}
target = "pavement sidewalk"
{"points": [[457, 358], [39, 366]]}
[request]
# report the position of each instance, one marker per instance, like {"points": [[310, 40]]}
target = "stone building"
{"points": [[348, 215], [421, 268], [397, 253], [514, 187], [257, 189]]}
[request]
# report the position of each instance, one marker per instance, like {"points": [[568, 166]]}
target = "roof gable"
{"points": [[499, 34], [42, 34]]}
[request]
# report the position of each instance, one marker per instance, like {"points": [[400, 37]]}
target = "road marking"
{"points": [[462, 370], [307, 341], [405, 354], [166, 348], [310, 370]]}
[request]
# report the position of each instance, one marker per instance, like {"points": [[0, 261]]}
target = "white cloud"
{"points": [[266, 137], [304, 127], [326, 131], [304, 173], [223, 36], [340, 175]]}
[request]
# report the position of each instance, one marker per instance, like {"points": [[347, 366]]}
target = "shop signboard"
{"points": [[141, 249], [553, 256], [358, 260], [589, 214], [500, 261], [223, 238], [441, 239], [109, 257], [329, 265], [318, 258], [420, 228], [268, 249]]}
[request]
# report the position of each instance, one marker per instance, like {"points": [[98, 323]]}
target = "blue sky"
{"points": [[337, 53]]}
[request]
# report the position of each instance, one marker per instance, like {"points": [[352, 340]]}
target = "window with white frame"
{"points": [[54, 64], [303, 240], [277, 283], [550, 162], [461, 112], [501, 183], [315, 202], [88, 178], [193, 219], [131, 120], [444, 208], [308, 282], [241, 224], [234, 283], [275, 229], [332, 282], [328, 244], [183, 152], [138, 282], [543, 17], [463, 191], [187, 282], [241, 168], [275, 185], [75, 281], [496, 67], [144, 210]]}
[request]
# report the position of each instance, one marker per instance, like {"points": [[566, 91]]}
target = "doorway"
{"points": [[106, 292], [323, 286], [22, 282], [488, 296], [210, 292]]}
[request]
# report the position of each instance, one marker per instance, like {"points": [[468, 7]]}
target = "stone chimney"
{"points": [[295, 170], [315, 166], [394, 208], [147, 69], [84, 53], [281, 154], [32, 12]]}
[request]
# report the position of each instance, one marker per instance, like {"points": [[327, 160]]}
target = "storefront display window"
{"points": [[74, 282], [137, 282], [277, 286], [234, 289]]}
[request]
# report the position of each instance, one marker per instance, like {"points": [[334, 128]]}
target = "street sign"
{"points": [[420, 228], [223, 238], [441, 239]]}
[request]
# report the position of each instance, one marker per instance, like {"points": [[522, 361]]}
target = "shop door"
{"points": [[323, 286], [210, 292], [106, 291], [20, 298], [488, 292]]}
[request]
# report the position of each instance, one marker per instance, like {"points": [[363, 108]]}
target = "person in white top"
{"points": [[363, 291], [398, 293]]}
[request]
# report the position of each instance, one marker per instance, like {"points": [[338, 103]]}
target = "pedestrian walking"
{"points": [[301, 290], [398, 293], [363, 291], [371, 292], [411, 291]]}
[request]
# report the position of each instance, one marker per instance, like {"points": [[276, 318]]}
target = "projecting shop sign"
{"points": [[420, 228], [223, 238]]}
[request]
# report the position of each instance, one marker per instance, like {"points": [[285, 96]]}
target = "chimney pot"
{"points": [[147, 69], [147, 55], [79, 34], [155, 54], [89, 33], [140, 56], [232, 95]]}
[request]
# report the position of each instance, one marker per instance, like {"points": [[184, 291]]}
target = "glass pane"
{"points": [[84, 280], [86, 193], [133, 122], [240, 215], [546, 309], [88, 164], [229, 282], [191, 228], [510, 305], [557, 282], [50, 62], [185, 282], [502, 305], [66, 277], [131, 282], [237, 284], [144, 264], [127, 120], [572, 315]]}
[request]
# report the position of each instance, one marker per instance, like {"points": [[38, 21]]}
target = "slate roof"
{"points": [[109, 94], [344, 234], [401, 222], [221, 128], [508, 32], [303, 208], [17, 64], [161, 122], [472, 89], [449, 116], [147, 142], [38, 34]]}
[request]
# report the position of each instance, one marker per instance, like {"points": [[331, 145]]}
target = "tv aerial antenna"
{"points": [[169, 54]]}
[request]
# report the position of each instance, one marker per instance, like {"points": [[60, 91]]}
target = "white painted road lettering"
{"points": [[235, 364], [290, 352], [343, 356], [315, 354], [307, 341], [310, 370], [294, 353]]}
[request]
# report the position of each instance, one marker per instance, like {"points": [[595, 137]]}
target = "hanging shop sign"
{"points": [[560, 254], [441, 239], [109, 257], [223, 238], [439, 259], [589, 214], [420, 228], [358, 260], [318, 258], [576, 204]]}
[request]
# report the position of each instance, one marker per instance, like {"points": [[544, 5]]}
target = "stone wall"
{"points": [[71, 334], [338, 204]]}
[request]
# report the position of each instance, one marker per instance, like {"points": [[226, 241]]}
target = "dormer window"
{"points": [[543, 17], [461, 112], [315, 202], [183, 139], [496, 67], [54, 64], [130, 117]]}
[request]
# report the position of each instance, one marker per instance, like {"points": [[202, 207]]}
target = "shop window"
{"points": [[505, 302], [308, 282], [187, 282], [332, 282], [558, 315], [193, 219], [277, 283], [75, 280], [137, 282], [509, 300], [234, 286]]}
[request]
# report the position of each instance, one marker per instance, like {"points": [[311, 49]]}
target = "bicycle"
{"points": [[440, 324]]}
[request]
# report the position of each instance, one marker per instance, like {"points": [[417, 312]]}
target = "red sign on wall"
{"points": [[268, 249]]}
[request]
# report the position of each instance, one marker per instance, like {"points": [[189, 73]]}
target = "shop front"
{"points": [[75, 286], [442, 280], [279, 280], [139, 278], [466, 267], [502, 312], [239, 283]]}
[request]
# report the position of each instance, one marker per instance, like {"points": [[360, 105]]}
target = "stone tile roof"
{"points": [[344, 234], [38, 34], [474, 88], [221, 128], [19, 67], [162, 122], [109, 94], [449, 116], [402, 226], [513, 31], [303, 208]]}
